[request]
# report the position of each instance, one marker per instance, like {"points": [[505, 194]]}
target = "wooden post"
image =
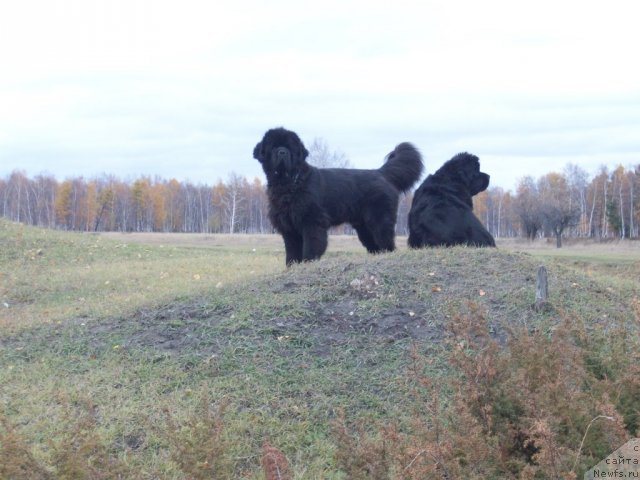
{"points": [[542, 289]]}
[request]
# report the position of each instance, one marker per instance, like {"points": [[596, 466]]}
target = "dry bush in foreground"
{"points": [[76, 454], [274, 463], [80, 453], [542, 408], [199, 446], [16, 459]]}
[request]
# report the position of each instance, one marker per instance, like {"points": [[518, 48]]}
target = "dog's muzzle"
{"points": [[282, 154]]}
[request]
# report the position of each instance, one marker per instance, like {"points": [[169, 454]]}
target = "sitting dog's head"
{"points": [[464, 169], [282, 155]]}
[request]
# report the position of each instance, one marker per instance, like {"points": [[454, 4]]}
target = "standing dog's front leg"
{"points": [[314, 242], [292, 247]]}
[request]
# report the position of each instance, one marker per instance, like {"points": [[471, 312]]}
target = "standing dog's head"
{"points": [[282, 155], [464, 169]]}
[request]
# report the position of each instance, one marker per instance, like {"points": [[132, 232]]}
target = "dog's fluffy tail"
{"points": [[403, 166]]}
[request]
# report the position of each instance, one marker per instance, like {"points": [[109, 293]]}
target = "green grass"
{"points": [[616, 265], [286, 351], [49, 276]]}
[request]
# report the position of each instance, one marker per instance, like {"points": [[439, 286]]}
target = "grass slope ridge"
{"points": [[347, 299], [406, 295]]}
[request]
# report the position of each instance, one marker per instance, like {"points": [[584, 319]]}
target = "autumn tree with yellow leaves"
{"points": [[558, 204]]}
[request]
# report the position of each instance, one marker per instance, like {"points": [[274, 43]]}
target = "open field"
{"points": [[615, 260], [125, 354], [339, 243], [613, 249]]}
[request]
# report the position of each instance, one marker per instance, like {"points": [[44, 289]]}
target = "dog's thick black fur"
{"points": [[442, 210], [304, 201]]}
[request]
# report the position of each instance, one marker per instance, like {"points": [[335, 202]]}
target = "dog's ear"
{"points": [[296, 146], [258, 154]]}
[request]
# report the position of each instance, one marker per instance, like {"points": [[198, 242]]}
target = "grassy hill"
{"points": [[208, 361]]}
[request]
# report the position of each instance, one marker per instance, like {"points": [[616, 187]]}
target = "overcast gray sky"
{"points": [[184, 89]]}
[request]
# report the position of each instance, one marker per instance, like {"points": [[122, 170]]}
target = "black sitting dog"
{"points": [[305, 201], [442, 210]]}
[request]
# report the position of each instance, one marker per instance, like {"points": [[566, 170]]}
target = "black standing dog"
{"points": [[442, 210], [304, 201]]}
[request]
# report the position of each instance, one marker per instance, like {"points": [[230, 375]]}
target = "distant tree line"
{"points": [[567, 204], [556, 205]]}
